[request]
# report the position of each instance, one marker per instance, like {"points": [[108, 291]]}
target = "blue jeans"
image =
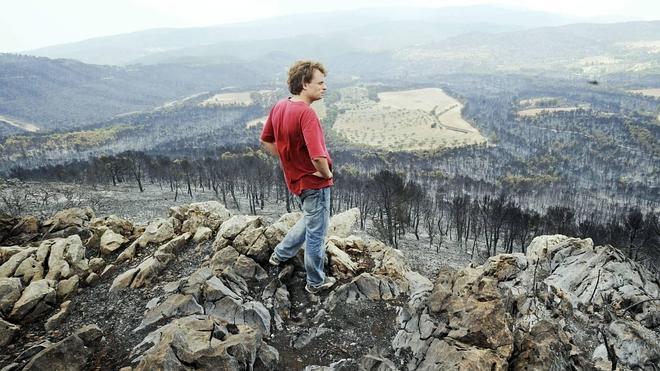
{"points": [[310, 229]]}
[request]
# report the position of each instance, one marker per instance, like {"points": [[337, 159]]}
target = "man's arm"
{"points": [[322, 168], [270, 148]]}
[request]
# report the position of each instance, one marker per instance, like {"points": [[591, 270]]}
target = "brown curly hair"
{"points": [[302, 72]]}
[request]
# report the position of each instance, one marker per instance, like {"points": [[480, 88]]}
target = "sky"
{"points": [[31, 24]]}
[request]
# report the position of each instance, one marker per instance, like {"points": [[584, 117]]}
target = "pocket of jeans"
{"points": [[310, 200]]}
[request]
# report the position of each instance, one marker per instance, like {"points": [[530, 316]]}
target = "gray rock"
{"points": [[159, 230], [208, 344], [202, 234], [67, 257], [123, 280], [67, 287], [7, 332], [342, 224], [68, 354], [39, 297], [96, 265], [89, 334], [30, 269], [10, 292], [177, 305], [56, 320], [8, 268], [111, 241], [74, 217], [92, 279]]}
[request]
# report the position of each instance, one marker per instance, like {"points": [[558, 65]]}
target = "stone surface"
{"points": [[67, 287], [56, 319], [14, 257], [7, 332], [89, 334], [159, 230], [202, 234], [67, 257], [342, 224], [39, 297], [111, 241], [10, 292], [176, 305], [74, 217], [68, 354], [200, 340], [96, 265]]}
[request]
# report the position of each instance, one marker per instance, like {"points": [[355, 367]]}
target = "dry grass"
{"points": [[412, 120], [648, 92], [419, 99]]}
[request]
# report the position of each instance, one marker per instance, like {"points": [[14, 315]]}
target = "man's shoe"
{"points": [[274, 260], [326, 284]]}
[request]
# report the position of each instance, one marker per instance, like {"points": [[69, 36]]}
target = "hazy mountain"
{"points": [[387, 27], [66, 94]]}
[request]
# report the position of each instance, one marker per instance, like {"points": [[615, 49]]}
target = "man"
{"points": [[293, 133]]}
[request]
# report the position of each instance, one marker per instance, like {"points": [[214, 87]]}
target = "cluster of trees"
{"points": [[391, 203]]}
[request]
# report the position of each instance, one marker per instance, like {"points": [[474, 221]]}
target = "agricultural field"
{"points": [[648, 92], [411, 120], [228, 99], [537, 111]]}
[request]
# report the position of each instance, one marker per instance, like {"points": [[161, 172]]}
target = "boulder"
{"points": [[68, 354], [210, 214], [113, 223], [7, 332], [159, 230], [38, 298], [10, 292], [123, 280], [14, 258], [111, 241], [67, 287], [203, 234], [96, 265], [200, 340], [342, 224], [89, 334], [7, 252], [176, 305], [67, 257], [56, 319], [74, 217]]}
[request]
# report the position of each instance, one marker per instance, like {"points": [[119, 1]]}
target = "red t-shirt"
{"points": [[296, 131]]}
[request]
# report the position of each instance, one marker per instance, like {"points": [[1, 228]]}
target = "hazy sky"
{"points": [[30, 24]]}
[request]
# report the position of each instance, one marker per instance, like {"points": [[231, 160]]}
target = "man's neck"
{"points": [[301, 98]]}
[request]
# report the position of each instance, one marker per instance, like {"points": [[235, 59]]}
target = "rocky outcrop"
{"points": [[207, 343], [566, 304]]}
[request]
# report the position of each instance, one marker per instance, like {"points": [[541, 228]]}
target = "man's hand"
{"points": [[270, 148], [318, 174], [322, 168]]}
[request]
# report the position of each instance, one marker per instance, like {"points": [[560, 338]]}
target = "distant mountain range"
{"points": [[343, 31], [142, 70]]}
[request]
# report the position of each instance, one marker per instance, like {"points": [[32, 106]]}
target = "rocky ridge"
{"points": [[194, 291]]}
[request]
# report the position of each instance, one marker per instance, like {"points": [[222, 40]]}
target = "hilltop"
{"points": [[194, 291]]}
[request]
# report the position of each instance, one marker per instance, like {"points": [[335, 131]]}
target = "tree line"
{"points": [[392, 204]]}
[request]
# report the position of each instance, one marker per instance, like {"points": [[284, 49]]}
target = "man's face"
{"points": [[315, 88]]}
